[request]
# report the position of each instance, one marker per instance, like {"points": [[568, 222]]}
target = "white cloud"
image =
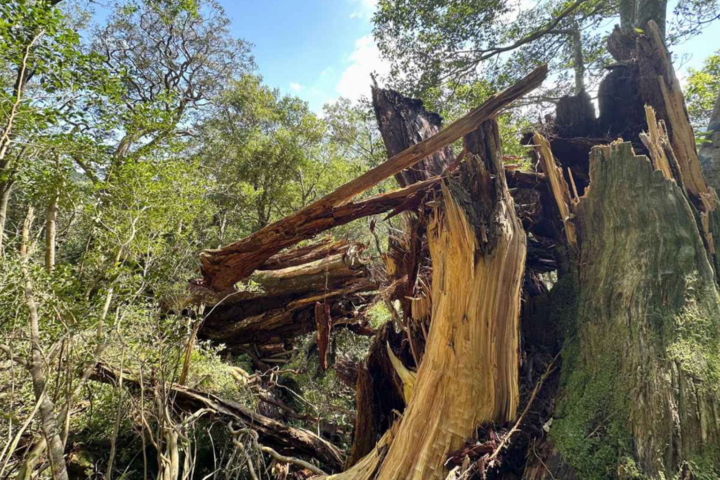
{"points": [[365, 8], [295, 87], [365, 59]]}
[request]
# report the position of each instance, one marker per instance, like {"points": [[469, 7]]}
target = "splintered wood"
{"points": [[659, 87], [558, 186], [656, 141], [469, 373]]}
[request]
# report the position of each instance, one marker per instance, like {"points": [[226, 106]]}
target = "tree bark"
{"points": [[652, 11], [5, 191], [51, 233], [404, 122], [639, 363], [283, 305]]}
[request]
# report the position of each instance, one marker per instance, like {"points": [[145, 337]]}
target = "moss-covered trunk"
{"points": [[640, 366]]}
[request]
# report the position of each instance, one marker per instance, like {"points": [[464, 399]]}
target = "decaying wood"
{"points": [[379, 395], [365, 430], [287, 440], [282, 304], [659, 87], [404, 122], [646, 296], [658, 145], [223, 267], [323, 326]]}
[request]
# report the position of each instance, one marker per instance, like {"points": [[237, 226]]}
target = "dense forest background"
{"points": [[128, 147]]}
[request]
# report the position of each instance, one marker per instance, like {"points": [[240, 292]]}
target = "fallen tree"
{"points": [[222, 268], [280, 305], [271, 433]]}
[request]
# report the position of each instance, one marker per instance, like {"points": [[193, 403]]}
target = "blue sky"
{"points": [[318, 50]]}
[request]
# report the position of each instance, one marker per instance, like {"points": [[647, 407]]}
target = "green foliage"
{"points": [[432, 43], [701, 91]]}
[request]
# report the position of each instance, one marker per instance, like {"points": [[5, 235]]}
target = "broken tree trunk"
{"points": [[404, 122], [641, 360], [222, 268], [281, 304], [469, 375]]}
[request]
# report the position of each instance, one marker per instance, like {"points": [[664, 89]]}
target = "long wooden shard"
{"points": [[221, 268], [558, 186]]}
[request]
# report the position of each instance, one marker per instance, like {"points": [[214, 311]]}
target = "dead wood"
{"points": [[478, 251], [281, 305], [288, 440], [404, 122]]}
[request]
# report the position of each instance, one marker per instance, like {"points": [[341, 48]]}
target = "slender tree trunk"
{"points": [[48, 419], [578, 58], [628, 15], [655, 10], [51, 233], [5, 191]]}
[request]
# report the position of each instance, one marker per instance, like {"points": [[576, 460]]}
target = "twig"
{"points": [[515, 427]]}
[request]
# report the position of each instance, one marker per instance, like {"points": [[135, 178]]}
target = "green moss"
{"points": [[592, 428], [696, 348], [592, 425]]}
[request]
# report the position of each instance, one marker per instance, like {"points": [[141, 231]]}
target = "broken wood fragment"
{"points": [[323, 326], [558, 186], [223, 267], [478, 249]]}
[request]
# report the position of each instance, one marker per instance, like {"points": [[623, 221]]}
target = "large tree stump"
{"points": [[641, 365]]}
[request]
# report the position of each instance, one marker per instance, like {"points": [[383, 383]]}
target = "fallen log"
{"points": [[288, 440], [222, 268]]}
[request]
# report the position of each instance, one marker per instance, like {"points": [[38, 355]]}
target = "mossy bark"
{"points": [[641, 362]]}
